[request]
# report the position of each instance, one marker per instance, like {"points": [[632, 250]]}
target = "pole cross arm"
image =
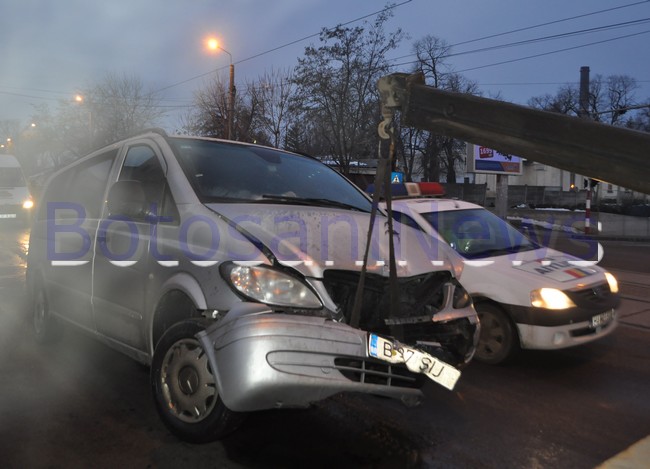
{"points": [[608, 153]]}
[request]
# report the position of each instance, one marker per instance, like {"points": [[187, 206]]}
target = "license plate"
{"points": [[416, 361], [7, 215], [601, 319]]}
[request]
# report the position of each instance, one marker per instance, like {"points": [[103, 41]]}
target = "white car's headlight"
{"points": [[613, 283], [550, 298], [271, 286], [28, 203]]}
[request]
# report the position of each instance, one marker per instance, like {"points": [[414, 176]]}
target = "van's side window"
{"points": [[142, 164], [83, 185]]}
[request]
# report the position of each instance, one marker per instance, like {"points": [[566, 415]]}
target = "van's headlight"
{"points": [[550, 298], [28, 203], [270, 286], [613, 283]]}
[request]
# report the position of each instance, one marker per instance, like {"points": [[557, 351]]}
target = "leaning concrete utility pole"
{"points": [[605, 152]]}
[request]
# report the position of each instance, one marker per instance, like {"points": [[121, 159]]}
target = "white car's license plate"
{"points": [[415, 360], [601, 319], [7, 215]]}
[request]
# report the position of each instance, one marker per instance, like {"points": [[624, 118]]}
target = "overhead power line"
{"points": [[296, 41], [570, 18], [555, 36], [553, 52], [512, 44], [535, 40]]}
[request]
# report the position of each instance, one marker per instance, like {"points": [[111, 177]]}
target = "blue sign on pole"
{"points": [[396, 177]]}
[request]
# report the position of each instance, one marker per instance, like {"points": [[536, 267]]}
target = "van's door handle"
{"points": [[103, 238]]}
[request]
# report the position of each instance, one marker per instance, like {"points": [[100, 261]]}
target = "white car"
{"points": [[15, 201], [527, 295]]}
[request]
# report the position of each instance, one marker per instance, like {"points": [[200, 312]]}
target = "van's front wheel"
{"points": [[498, 341], [185, 389]]}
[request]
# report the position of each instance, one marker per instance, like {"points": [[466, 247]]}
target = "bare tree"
{"points": [[209, 116], [641, 119], [616, 94], [9, 130], [272, 95], [419, 150], [431, 53], [611, 100], [104, 113], [119, 106], [566, 101], [337, 91]]}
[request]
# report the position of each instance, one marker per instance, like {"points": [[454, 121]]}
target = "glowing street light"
{"points": [[213, 44]]}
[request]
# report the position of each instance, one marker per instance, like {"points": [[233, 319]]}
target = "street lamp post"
{"points": [[81, 100], [213, 44]]}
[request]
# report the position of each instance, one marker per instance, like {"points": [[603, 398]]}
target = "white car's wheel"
{"points": [[184, 387], [498, 341]]}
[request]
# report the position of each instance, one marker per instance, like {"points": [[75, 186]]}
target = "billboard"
{"points": [[486, 160]]}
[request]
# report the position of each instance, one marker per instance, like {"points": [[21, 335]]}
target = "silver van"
{"points": [[15, 200], [232, 270]]}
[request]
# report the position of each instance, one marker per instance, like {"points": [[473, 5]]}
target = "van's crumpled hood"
{"points": [[313, 239]]}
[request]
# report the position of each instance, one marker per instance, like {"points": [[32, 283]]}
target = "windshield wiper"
{"points": [[312, 201]]}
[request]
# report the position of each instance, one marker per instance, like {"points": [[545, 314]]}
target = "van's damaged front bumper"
{"points": [[267, 360]]}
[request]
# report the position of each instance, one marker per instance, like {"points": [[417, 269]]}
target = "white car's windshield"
{"points": [[225, 172], [478, 233]]}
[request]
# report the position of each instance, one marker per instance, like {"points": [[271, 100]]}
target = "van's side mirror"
{"points": [[127, 199]]}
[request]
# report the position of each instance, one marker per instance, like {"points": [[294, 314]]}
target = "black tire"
{"points": [[499, 341], [184, 387], [47, 329]]}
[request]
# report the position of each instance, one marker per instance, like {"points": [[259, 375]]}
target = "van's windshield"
{"points": [[225, 172], [11, 177], [478, 233]]}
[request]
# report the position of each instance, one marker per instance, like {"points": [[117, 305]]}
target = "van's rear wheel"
{"points": [[498, 341], [185, 389]]}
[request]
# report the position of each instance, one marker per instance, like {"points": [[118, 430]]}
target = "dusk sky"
{"points": [[53, 49]]}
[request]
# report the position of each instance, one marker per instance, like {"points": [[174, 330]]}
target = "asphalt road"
{"points": [[80, 404]]}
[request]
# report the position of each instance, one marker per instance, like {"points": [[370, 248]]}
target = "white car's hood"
{"points": [[510, 279], [555, 265], [314, 239]]}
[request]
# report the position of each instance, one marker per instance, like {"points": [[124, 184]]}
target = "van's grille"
{"points": [[375, 372], [420, 297]]}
